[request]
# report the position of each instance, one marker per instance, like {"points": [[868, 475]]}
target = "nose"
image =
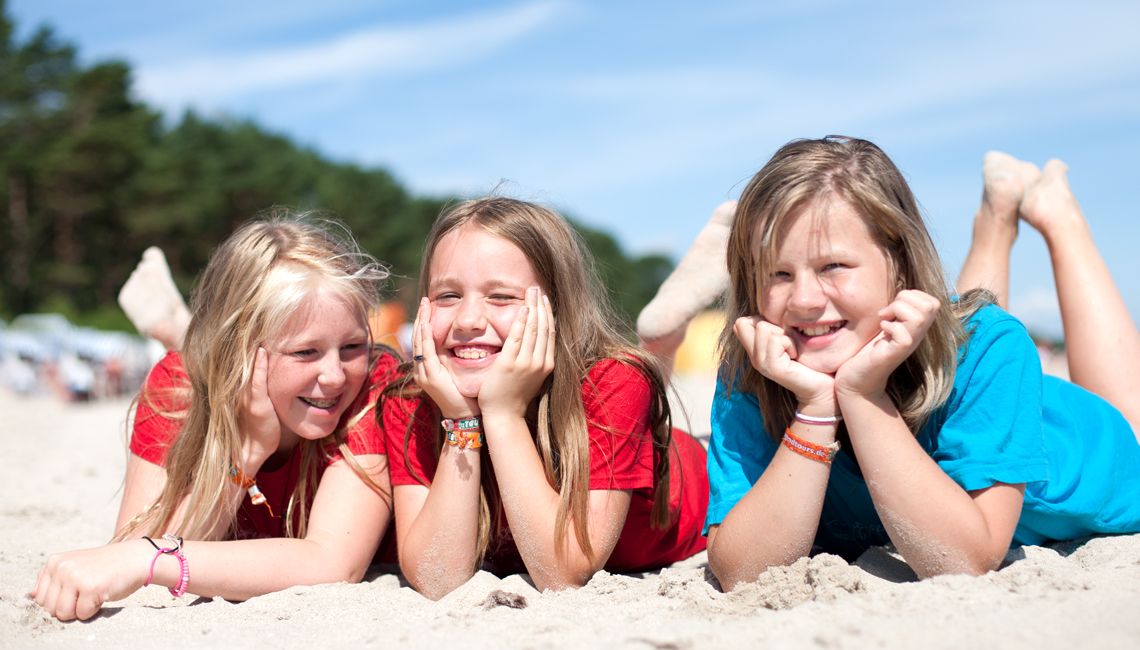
{"points": [[807, 293], [471, 316], [331, 373]]}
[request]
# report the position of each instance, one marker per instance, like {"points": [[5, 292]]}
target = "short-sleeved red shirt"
{"points": [[154, 433], [616, 398]]}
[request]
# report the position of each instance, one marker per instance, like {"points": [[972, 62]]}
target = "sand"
{"points": [[63, 464]]}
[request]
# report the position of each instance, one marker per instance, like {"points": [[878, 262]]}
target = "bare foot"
{"points": [[152, 302], [1005, 180], [1049, 204], [699, 279]]}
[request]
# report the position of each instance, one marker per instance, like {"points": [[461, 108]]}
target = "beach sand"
{"points": [[62, 466]]}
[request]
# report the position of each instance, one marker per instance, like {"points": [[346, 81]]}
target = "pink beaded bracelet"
{"points": [[184, 567]]}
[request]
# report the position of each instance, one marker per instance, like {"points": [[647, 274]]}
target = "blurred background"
{"points": [[127, 123]]}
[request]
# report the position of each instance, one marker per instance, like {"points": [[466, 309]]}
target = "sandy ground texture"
{"points": [[63, 464]]}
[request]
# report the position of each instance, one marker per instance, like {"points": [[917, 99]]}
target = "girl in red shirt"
{"points": [[254, 448], [519, 445]]}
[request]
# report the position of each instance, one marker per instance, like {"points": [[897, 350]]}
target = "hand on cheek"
{"points": [[525, 361], [773, 354], [904, 324], [260, 425], [431, 375]]}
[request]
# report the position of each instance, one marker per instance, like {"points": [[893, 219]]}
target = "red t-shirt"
{"points": [[616, 398], [154, 433]]}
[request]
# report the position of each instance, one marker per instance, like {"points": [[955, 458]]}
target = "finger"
{"points": [[745, 331], [86, 606], [417, 345], [430, 362], [54, 600], [514, 340], [551, 344], [39, 588], [65, 604], [530, 331]]}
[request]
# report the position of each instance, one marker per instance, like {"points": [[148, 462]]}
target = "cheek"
{"points": [[503, 318], [771, 303], [440, 324], [280, 385]]}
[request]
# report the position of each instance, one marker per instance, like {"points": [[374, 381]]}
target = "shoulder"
{"points": [[995, 333], [170, 366], [623, 378]]}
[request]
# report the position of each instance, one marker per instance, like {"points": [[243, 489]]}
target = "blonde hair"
{"points": [[802, 173], [587, 333], [254, 287]]}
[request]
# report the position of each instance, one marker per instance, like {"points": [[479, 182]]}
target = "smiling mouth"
{"points": [[819, 330], [473, 354], [319, 403]]}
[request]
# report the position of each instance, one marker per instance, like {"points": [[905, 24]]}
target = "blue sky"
{"points": [[640, 117]]}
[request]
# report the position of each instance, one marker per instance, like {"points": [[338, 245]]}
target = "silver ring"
{"points": [[418, 358]]}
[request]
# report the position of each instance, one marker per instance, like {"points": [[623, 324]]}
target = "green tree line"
{"points": [[89, 177]]}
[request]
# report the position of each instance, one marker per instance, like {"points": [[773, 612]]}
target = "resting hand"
{"points": [[260, 426], [525, 361], [773, 354], [75, 585], [431, 375], [904, 324]]}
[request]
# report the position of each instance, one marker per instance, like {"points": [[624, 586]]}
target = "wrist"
{"points": [[827, 407], [253, 456]]}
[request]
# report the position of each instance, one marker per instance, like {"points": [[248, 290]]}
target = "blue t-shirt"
{"points": [[1004, 422]]}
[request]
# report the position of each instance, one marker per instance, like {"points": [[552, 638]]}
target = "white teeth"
{"points": [[471, 353], [816, 331], [319, 403]]}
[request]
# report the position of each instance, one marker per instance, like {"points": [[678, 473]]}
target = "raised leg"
{"points": [[699, 280], [152, 301], [1101, 339], [1004, 179]]}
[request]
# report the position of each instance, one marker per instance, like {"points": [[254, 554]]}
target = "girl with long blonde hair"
{"points": [[860, 403], [521, 445], [256, 462]]}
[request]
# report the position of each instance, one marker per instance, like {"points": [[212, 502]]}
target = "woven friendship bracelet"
{"points": [[820, 453], [465, 438], [465, 433]]}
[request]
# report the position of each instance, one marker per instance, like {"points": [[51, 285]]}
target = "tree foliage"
{"points": [[90, 177]]}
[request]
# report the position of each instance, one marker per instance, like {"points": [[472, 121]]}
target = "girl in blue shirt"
{"points": [[859, 404]]}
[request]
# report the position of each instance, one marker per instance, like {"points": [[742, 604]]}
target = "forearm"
{"points": [[775, 523], [239, 570], [438, 553], [531, 507], [935, 524]]}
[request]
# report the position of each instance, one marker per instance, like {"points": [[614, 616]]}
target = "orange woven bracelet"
{"points": [[465, 433], [250, 485], [819, 453]]}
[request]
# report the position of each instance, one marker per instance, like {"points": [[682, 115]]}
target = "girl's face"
{"points": [[828, 283], [477, 284], [317, 367]]}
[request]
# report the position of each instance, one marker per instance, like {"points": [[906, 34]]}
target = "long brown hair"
{"points": [[859, 173], [588, 332], [252, 288]]}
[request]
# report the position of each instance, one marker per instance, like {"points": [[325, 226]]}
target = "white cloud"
{"points": [[376, 51]]}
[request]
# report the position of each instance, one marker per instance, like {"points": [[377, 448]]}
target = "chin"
{"points": [[828, 365], [467, 385]]}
